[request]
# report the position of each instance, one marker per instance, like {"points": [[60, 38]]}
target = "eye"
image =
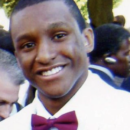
{"points": [[29, 45], [59, 36], [2, 103]]}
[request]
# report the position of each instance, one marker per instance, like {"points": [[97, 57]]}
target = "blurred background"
{"points": [[96, 12]]}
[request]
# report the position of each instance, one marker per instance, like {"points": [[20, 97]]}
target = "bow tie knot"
{"points": [[50, 122], [66, 121]]}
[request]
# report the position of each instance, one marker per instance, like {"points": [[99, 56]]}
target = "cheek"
{"points": [[77, 55], [124, 61], [25, 63], [72, 49]]}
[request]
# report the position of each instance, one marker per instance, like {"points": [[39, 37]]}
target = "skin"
{"points": [[49, 39], [122, 67], [8, 95]]}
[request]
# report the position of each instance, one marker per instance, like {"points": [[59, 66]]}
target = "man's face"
{"points": [[8, 96], [50, 48], [122, 67]]}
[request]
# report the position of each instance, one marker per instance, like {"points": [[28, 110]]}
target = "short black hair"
{"points": [[8, 65], [3, 32], [6, 43], [108, 39], [74, 10], [119, 19]]}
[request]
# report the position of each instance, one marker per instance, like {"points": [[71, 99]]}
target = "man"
{"points": [[120, 20], [6, 43], [25, 96], [2, 31], [111, 55], [51, 48], [10, 80]]}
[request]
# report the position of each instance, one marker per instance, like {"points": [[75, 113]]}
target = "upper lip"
{"points": [[43, 69]]}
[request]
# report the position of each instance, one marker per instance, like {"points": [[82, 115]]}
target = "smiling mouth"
{"points": [[52, 71]]}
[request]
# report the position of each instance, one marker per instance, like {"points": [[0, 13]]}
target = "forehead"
{"points": [[124, 46], [41, 14], [6, 82], [46, 7]]}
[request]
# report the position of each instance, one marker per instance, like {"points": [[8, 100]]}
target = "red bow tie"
{"points": [[66, 121]]}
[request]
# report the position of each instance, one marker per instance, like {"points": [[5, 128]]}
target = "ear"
{"points": [[88, 39], [17, 59]]}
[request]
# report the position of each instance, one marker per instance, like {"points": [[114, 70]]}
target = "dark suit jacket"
{"points": [[18, 106], [126, 84], [105, 77]]}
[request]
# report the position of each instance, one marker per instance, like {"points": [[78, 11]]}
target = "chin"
{"points": [[56, 96]]}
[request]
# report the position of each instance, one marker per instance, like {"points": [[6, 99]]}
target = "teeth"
{"points": [[53, 71]]}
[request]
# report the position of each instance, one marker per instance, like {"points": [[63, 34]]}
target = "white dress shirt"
{"points": [[117, 80], [23, 93], [97, 105]]}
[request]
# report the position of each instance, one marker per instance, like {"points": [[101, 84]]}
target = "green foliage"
{"points": [[82, 4], [8, 6], [1, 3], [116, 3]]}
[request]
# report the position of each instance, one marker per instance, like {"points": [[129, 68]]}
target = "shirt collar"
{"points": [[103, 69], [71, 105]]}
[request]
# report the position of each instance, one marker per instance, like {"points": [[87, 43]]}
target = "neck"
{"points": [[53, 105]]}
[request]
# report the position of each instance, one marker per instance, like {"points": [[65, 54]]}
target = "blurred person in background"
{"points": [[2, 31], [120, 20], [11, 78], [111, 55], [26, 92], [124, 83], [6, 43]]}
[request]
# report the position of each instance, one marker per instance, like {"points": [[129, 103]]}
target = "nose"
{"points": [[5, 112], [45, 53]]}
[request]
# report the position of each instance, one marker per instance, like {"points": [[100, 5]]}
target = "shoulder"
{"points": [[18, 121], [103, 92], [109, 107]]}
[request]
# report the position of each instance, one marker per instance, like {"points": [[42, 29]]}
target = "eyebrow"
{"points": [[6, 101], [22, 37], [2, 100], [50, 26]]}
